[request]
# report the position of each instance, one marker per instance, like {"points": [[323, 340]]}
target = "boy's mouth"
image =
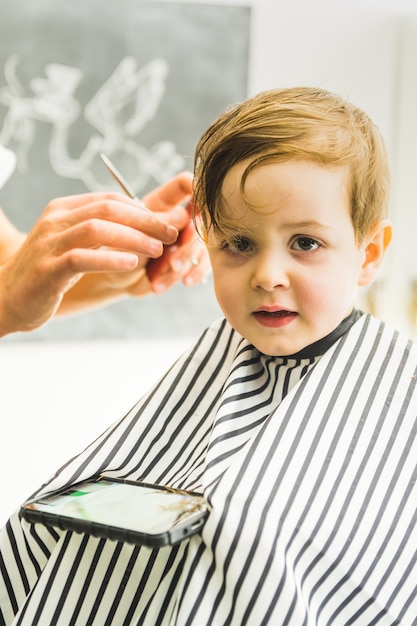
{"points": [[281, 313], [274, 311], [274, 317]]}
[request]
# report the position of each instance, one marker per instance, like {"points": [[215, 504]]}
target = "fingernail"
{"points": [[159, 287], [177, 265], [172, 231], [155, 247], [189, 281]]}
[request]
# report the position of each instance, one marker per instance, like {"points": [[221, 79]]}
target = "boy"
{"points": [[295, 415]]}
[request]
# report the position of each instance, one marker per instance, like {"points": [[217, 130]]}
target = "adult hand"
{"points": [[90, 249], [186, 259]]}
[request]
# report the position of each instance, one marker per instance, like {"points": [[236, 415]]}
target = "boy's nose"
{"points": [[269, 273]]}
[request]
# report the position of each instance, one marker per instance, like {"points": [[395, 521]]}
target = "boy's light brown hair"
{"points": [[297, 123]]}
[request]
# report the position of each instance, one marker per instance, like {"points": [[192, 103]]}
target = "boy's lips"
{"points": [[274, 317]]}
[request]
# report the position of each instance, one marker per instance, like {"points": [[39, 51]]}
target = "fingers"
{"points": [[175, 191], [95, 233], [85, 260], [82, 199], [200, 266], [121, 211], [163, 223], [111, 235], [186, 260], [106, 222]]}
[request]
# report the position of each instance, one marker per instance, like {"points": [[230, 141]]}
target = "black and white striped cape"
{"points": [[313, 515]]}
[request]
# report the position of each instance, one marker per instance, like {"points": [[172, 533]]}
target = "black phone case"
{"points": [[174, 535]]}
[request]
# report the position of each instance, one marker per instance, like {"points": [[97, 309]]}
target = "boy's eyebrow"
{"points": [[304, 224]]}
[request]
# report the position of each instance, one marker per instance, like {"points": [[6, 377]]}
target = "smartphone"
{"points": [[122, 510]]}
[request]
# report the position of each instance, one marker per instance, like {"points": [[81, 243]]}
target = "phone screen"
{"points": [[137, 507]]}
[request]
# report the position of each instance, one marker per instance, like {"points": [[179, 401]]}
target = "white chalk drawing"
{"points": [[126, 102]]}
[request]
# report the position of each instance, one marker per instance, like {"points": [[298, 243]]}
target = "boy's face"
{"points": [[289, 275]]}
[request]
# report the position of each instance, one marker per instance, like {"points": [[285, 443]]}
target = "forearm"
{"points": [[8, 321], [11, 240], [19, 310]]}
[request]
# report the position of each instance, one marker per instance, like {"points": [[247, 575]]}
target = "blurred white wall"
{"points": [[55, 398]]}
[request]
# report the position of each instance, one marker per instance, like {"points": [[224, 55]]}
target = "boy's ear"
{"points": [[375, 246]]}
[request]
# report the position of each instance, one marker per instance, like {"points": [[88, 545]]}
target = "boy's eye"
{"points": [[237, 245], [305, 244]]}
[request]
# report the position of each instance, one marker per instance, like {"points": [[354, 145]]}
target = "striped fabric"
{"points": [[255, 384], [313, 515]]}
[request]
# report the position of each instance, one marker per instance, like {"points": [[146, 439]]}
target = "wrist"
{"points": [[6, 328]]}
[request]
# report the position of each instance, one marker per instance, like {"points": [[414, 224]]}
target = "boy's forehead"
{"points": [[282, 178]]}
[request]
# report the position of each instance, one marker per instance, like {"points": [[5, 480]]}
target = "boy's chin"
{"points": [[271, 348]]}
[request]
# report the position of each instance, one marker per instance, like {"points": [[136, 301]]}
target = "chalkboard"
{"points": [[138, 80]]}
